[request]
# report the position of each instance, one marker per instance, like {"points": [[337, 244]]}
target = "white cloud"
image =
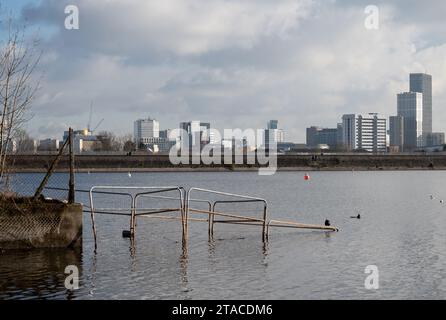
{"points": [[233, 63]]}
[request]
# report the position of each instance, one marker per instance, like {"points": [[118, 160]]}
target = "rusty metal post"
{"points": [[133, 217], [264, 231], [71, 182]]}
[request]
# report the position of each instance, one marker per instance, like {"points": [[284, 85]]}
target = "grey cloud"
{"points": [[235, 64]]}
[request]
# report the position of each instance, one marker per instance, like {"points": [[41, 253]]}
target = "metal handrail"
{"points": [[133, 198], [246, 199]]}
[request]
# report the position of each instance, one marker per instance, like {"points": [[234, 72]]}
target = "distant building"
{"points": [[83, 140], [434, 139], [25, 146], [272, 124], [273, 135], [84, 144], [166, 140], [145, 132], [410, 107], [48, 145], [396, 133], [286, 146], [322, 136], [299, 147], [165, 133], [84, 133], [422, 83], [364, 132], [339, 136], [194, 135], [349, 131]]}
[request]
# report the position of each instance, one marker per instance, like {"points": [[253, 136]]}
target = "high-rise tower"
{"points": [[422, 83]]}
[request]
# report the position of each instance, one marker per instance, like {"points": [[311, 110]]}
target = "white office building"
{"points": [[410, 107], [364, 132], [145, 130], [48, 145]]}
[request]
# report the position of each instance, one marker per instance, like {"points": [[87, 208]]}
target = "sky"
{"points": [[235, 64]]}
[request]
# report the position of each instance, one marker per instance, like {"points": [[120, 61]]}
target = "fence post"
{"points": [[71, 182]]}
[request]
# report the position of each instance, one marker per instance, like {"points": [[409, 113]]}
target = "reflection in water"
{"points": [[211, 245], [132, 248], [92, 274], [37, 273], [184, 260], [235, 264], [265, 248]]}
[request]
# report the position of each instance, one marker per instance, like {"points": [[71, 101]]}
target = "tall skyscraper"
{"points": [[273, 135], [410, 107], [366, 132], [349, 131], [272, 124], [422, 83], [396, 132]]}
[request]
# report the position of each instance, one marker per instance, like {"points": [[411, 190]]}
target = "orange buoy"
{"points": [[306, 177]]}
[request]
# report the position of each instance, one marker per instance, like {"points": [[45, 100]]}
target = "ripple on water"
{"points": [[401, 231]]}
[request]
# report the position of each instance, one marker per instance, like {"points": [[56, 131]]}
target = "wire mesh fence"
{"points": [[50, 185], [26, 184], [33, 205]]}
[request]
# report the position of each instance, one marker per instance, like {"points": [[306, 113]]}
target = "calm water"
{"points": [[402, 231]]}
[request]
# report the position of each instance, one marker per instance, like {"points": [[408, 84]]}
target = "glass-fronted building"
{"points": [[410, 107]]}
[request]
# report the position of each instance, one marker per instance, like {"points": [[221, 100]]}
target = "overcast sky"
{"points": [[233, 63]]}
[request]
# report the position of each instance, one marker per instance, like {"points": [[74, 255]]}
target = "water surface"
{"points": [[402, 231]]}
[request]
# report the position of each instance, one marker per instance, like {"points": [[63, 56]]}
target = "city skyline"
{"points": [[369, 132], [301, 62], [420, 92]]}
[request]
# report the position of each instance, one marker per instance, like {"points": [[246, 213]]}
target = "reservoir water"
{"points": [[402, 231]]}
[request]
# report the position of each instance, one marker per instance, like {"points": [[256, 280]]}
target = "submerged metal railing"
{"points": [[185, 200], [212, 213], [134, 201]]}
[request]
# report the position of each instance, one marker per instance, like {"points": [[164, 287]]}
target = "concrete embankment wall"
{"points": [[39, 163], [27, 224]]}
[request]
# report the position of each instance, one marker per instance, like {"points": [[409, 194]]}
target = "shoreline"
{"points": [[221, 169], [290, 162]]}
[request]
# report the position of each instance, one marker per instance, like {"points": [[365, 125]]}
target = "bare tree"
{"points": [[24, 143], [18, 61], [107, 141], [126, 142], [129, 146]]}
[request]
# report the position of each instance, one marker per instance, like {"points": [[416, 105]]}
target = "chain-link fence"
{"points": [[33, 206], [26, 184], [56, 183]]}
